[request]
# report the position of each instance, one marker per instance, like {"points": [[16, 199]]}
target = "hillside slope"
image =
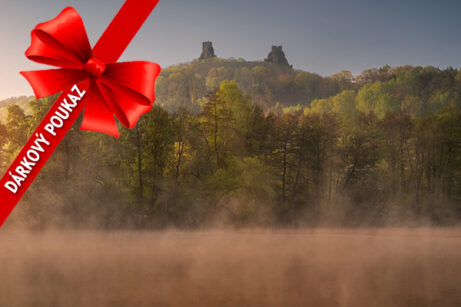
{"points": [[267, 83], [21, 101]]}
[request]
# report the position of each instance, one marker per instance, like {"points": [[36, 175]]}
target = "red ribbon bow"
{"points": [[124, 89]]}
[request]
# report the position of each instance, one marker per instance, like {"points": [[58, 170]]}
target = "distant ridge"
{"points": [[270, 81], [21, 101]]}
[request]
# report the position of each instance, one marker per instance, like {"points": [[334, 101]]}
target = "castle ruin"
{"points": [[207, 51], [277, 56]]}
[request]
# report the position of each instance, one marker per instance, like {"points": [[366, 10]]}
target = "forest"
{"points": [[243, 145]]}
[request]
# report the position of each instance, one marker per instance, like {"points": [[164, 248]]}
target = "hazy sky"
{"points": [[322, 36]]}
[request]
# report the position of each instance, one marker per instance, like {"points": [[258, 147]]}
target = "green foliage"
{"points": [[251, 143], [21, 101], [184, 85]]}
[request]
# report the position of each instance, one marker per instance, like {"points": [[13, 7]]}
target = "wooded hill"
{"points": [[268, 84], [272, 146], [22, 101], [274, 87]]}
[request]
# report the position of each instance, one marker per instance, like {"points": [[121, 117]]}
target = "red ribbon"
{"points": [[123, 89], [89, 79]]}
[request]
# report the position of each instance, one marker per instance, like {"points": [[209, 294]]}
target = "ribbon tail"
{"points": [[122, 29], [97, 115], [51, 81], [8, 200]]}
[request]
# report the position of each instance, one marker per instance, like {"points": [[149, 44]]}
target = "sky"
{"points": [[321, 36]]}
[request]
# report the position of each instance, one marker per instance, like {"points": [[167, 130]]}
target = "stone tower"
{"points": [[277, 56], [208, 51]]}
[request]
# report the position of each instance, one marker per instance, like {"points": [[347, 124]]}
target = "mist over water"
{"points": [[315, 267]]}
